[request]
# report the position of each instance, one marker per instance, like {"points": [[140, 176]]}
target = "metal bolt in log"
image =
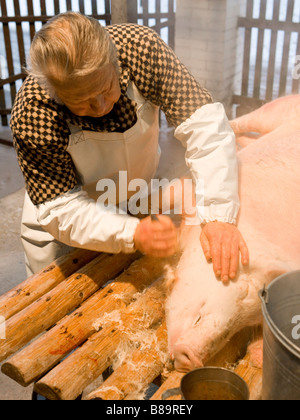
{"points": [[40, 356]]}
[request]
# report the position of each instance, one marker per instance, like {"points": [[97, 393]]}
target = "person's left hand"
{"points": [[222, 244]]}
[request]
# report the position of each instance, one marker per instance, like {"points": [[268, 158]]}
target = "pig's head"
{"points": [[215, 325], [204, 314]]}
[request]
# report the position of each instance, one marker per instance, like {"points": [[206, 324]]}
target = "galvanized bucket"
{"points": [[210, 384], [281, 311]]}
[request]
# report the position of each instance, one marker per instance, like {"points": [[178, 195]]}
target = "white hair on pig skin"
{"points": [[139, 337], [139, 363]]}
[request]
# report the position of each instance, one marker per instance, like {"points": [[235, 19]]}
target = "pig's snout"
{"points": [[185, 359]]}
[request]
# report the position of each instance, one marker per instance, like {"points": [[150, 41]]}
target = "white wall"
{"points": [[206, 42]]}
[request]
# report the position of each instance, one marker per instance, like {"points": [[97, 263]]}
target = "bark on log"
{"points": [[74, 374], [68, 295], [41, 283], [250, 367], [137, 372], [173, 381], [252, 376], [40, 356]]}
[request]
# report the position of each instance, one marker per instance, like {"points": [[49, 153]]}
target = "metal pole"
{"points": [[132, 12], [118, 11]]}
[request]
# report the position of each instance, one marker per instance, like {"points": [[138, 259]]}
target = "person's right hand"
{"points": [[156, 238]]}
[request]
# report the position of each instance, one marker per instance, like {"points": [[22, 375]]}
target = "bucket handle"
{"points": [[264, 295], [171, 393]]}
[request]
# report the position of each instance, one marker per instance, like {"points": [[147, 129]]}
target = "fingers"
{"points": [[244, 252], [205, 246], [226, 261], [216, 255], [157, 238], [230, 258], [223, 243], [234, 260], [164, 239]]}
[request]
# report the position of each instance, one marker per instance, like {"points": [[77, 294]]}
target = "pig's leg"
{"points": [[269, 117], [244, 141], [256, 353], [246, 124]]}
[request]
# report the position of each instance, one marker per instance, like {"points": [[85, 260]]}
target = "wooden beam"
{"points": [[246, 101], [87, 363], [288, 27], [68, 295], [12, 79], [37, 359], [44, 19], [140, 369], [41, 283]]}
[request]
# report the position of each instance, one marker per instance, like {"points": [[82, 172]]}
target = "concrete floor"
{"points": [[12, 270]]}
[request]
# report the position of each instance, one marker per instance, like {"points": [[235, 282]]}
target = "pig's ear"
{"points": [[275, 269]]}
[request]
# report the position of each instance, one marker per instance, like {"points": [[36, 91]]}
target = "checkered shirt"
{"points": [[40, 125]]}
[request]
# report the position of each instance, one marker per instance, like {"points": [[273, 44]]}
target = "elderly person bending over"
{"points": [[88, 110]]}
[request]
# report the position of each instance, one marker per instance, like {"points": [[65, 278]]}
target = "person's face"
{"points": [[96, 96]]}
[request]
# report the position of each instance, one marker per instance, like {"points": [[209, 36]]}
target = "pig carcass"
{"points": [[202, 312]]}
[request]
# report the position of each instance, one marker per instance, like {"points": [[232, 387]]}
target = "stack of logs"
{"points": [[88, 314]]}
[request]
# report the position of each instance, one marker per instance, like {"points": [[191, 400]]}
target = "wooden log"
{"points": [[67, 380], [250, 369], [252, 376], [37, 285], [68, 295], [233, 351], [173, 381], [40, 356], [138, 371]]}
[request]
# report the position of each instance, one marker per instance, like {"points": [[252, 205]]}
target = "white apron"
{"points": [[98, 155]]}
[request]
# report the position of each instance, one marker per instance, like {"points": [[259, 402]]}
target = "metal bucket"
{"points": [[281, 311], [210, 384]]}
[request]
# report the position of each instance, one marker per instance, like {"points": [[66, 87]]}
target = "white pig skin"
{"points": [[202, 312]]}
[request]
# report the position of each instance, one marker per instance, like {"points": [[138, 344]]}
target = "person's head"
{"points": [[75, 60]]}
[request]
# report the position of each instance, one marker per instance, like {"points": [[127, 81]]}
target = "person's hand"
{"points": [[156, 238], [222, 244]]}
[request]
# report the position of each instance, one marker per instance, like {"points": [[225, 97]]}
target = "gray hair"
{"points": [[69, 48]]}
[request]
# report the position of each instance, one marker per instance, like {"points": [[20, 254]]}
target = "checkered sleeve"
{"points": [[40, 128], [40, 140], [158, 73]]}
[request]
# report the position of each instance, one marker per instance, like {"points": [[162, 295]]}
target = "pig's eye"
{"points": [[198, 319]]}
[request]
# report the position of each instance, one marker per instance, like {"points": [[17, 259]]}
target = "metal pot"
{"points": [[211, 383]]}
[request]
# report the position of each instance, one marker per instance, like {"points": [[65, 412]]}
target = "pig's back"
{"points": [[270, 191]]}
